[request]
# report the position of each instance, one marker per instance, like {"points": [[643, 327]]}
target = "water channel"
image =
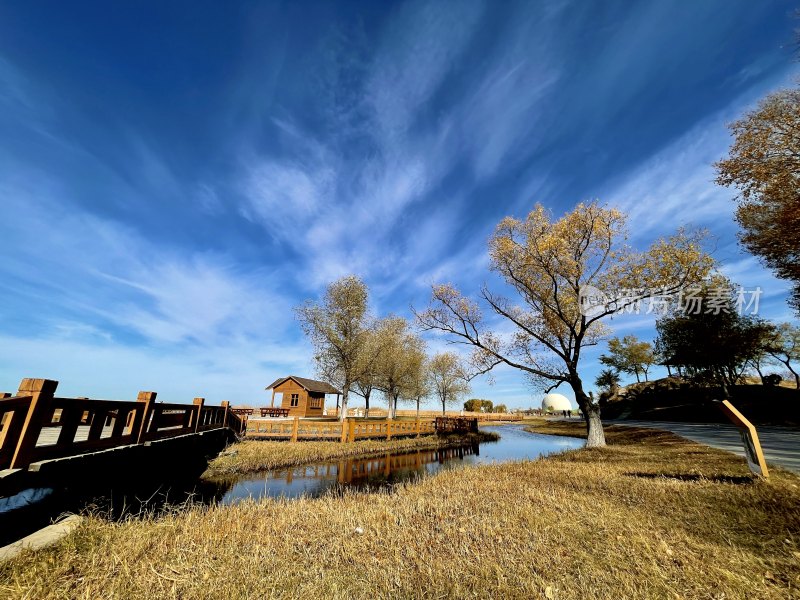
{"points": [[388, 469], [35, 508]]}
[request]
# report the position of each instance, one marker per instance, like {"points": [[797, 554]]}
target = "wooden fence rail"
{"points": [[349, 430], [430, 414], [456, 424], [36, 425]]}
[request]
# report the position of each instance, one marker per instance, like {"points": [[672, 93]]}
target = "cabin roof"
{"points": [[310, 385]]}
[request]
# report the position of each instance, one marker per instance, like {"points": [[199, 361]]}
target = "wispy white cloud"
{"points": [[676, 186], [198, 300], [353, 214], [422, 44], [89, 366], [285, 197], [109, 284]]}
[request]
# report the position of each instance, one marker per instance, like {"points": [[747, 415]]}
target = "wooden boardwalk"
{"points": [[36, 425]]}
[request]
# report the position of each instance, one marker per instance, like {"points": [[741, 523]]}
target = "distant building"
{"points": [[303, 397], [555, 403]]}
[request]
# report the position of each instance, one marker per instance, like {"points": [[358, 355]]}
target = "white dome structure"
{"points": [[555, 402]]}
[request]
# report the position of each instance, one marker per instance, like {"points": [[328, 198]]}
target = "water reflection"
{"points": [[361, 473], [386, 470]]}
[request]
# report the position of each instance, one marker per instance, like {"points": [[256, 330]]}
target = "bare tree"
{"points": [[784, 346], [559, 270]]}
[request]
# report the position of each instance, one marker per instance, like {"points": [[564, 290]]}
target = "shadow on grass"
{"points": [[735, 479]]}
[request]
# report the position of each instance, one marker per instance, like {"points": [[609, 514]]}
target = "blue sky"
{"points": [[175, 177]]}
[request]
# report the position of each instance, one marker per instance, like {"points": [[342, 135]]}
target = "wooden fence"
{"points": [[36, 425], [432, 414], [456, 424], [348, 430]]}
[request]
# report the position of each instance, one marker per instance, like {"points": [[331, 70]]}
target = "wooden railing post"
{"points": [[295, 427], [344, 430], [147, 399], [227, 406], [4, 420], [351, 436], [198, 415], [388, 429], [41, 392], [416, 426]]}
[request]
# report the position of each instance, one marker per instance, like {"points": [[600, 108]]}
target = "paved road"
{"points": [[781, 445]]}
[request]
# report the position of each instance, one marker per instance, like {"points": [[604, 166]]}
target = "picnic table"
{"points": [[270, 411]]}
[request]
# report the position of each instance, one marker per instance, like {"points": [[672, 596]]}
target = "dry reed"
{"points": [[261, 455], [651, 516]]}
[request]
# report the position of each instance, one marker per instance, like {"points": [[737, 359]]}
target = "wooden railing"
{"points": [[12, 418], [432, 414], [36, 425], [481, 416], [348, 430], [389, 428], [456, 424]]}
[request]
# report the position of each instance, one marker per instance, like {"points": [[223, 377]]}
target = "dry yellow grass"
{"points": [[653, 516], [261, 455]]}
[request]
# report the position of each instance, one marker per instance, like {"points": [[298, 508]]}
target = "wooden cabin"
{"points": [[303, 397]]}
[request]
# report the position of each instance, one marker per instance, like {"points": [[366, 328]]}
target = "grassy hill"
{"points": [[676, 399]]}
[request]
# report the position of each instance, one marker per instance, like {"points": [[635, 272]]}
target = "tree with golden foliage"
{"points": [[556, 268], [629, 355], [373, 347], [339, 328], [401, 361], [764, 165], [448, 378], [418, 386]]}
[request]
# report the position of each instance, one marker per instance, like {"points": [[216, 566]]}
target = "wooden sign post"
{"points": [[752, 447]]}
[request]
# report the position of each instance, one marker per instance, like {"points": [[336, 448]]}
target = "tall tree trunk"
{"points": [[723, 384], [394, 411], [366, 402], [636, 371], [595, 436], [417, 408], [669, 371], [757, 365], [343, 410], [788, 365]]}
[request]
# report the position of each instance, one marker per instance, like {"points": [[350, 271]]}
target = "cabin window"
{"points": [[295, 399]]}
